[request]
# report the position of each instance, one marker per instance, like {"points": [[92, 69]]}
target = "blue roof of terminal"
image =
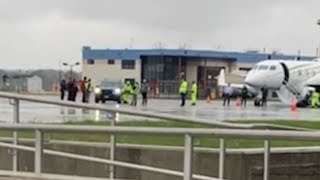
{"points": [[131, 54]]}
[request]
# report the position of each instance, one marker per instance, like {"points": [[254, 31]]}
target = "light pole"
{"points": [[318, 22], [71, 67]]}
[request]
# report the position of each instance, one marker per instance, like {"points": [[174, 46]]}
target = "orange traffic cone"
{"points": [[238, 103], [293, 105]]}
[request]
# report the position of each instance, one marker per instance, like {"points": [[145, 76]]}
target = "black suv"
{"points": [[108, 90]]}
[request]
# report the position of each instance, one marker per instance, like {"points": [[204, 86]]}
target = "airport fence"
{"points": [[189, 134]]}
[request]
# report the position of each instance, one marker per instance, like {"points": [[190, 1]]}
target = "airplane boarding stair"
{"points": [[289, 93], [285, 95]]}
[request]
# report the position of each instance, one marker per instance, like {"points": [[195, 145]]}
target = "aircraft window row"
{"points": [[307, 73], [273, 67], [263, 67]]}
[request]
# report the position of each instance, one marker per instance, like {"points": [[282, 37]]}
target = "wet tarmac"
{"points": [[42, 113]]}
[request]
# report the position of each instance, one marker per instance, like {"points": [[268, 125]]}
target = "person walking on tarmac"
{"points": [[183, 91], [244, 96], [127, 90], [194, 92], [315, 99], [135, 92], [144, 92]]}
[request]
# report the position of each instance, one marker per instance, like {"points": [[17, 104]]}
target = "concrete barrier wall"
{"points": [[286, 164]]}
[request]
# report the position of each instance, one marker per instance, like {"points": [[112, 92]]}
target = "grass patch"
{"points": [[174, 141]]}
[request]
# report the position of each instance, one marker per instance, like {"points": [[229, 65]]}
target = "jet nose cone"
{"points": [[252, 80]]}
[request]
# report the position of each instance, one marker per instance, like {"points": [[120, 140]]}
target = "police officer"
{"points": [[194, 91], [183, 91], [127, 90]]}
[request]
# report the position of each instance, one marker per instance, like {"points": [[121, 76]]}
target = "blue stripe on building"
{"points": [[133, 54]]}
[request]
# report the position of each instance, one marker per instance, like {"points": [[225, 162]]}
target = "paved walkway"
{"points": [[31, 112]]}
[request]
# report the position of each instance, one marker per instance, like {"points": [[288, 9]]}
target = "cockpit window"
{"points": [[263, 67], [255, 67], [273, 67]]}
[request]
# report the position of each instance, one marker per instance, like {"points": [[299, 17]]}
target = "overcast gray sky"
{"points": [[39, 33]]}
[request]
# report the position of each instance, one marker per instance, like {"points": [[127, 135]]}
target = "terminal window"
{"points": [[111, 61], [90, 61], [128, 64]]}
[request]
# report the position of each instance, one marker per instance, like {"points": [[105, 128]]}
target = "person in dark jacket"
{"points": [[244, 96], [63, 88], [265, 93], [69, 89], [74, 90]]}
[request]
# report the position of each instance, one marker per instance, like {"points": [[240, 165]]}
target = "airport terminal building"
{"points": [[164, 68]]}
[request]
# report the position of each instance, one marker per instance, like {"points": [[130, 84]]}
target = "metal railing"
{"points": [[188, 133], [40, 130], [239, 131]]}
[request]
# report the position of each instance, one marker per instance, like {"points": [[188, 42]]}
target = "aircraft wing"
{"points": [[313, 81]]}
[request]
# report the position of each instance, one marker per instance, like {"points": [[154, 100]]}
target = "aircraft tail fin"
{"points": [[222, 78]]}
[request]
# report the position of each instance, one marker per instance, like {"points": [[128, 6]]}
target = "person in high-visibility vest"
{"points": [[194, 91], [126, 93], [135, 93], [183, 91], [315, 99], [88, 89]]}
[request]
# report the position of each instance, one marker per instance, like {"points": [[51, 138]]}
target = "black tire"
{"points": [[119, 101], [103, 101], [96, 100]]}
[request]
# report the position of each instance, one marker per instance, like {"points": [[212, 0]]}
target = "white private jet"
{"points": [[291, 79]]}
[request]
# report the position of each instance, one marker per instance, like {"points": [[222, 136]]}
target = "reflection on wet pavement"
{"points": [[34, 112]]}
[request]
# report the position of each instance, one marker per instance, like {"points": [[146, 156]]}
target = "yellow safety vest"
{"points": [[183, 87]]}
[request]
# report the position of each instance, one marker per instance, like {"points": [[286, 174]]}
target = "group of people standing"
{"points": [[228, 93], [72, 87], [261, 99], [183, 90], [130, 93]]}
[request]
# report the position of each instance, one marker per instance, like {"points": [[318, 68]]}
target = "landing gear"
{"points": [[303, 104], [257, 102], [96, 100]]}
